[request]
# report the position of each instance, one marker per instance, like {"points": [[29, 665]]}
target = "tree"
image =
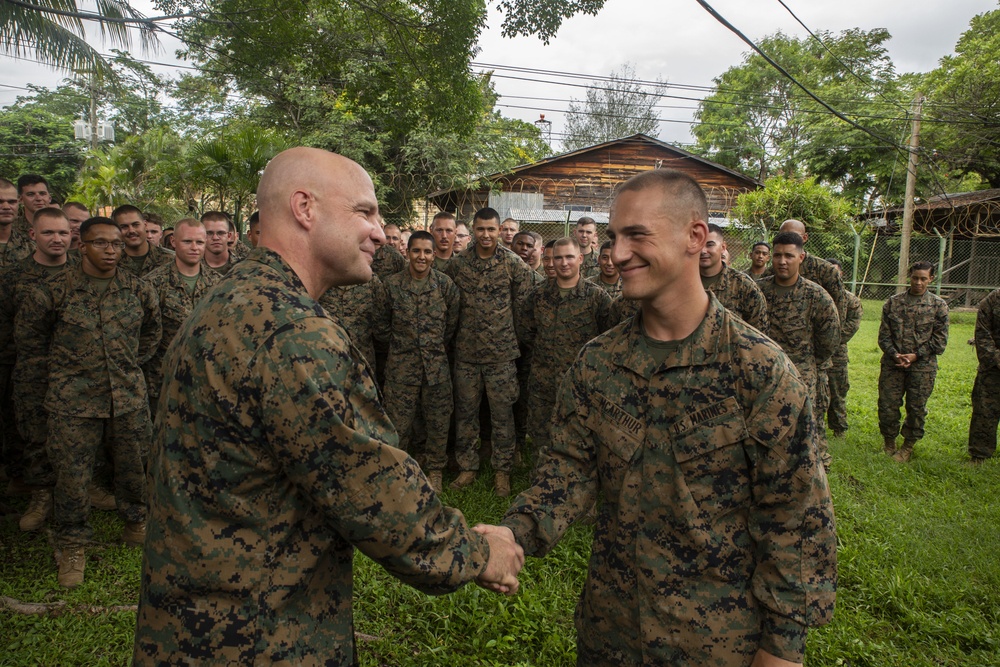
{"points": [[760, 122], [824, 212], [53, 31], [614, 108], [34, 140], [963, 103]]}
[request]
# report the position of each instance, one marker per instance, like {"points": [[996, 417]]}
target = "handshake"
{"points": [[506, 559]]}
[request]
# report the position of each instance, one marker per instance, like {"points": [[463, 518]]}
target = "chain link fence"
{"points": [[966, 269]]}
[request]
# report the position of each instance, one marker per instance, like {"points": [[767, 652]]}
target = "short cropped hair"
{"points": [[921, 266], [567, 240], [763, 243], [835, 261], [789, 238], [684, 189], [122, 210], [419, 235], [30, 179], [94, 222], [486, 213]]}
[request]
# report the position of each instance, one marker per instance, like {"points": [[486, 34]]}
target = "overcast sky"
{"points": [[673, 40]]}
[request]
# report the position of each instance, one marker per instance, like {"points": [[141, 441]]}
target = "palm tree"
{"points": [[53, 31]]}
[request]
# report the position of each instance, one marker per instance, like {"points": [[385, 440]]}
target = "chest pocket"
{"points": [[619, 437], [129, 315], [708, 451], [76, 317]]}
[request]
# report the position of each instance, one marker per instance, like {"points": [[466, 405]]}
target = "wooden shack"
{"points": [[564, 187]]}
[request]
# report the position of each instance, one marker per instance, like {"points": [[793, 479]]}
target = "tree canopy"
{"points": [[615, 107]]}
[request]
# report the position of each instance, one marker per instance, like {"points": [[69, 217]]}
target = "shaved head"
{"points": [[796, 226], [319, 212]]}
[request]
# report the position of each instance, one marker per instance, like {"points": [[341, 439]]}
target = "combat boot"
{"points": [[890, 446], [134, 533], [71, 565], [100, 499], [435, 479], [38, 510], [466, 478], [904, 453], [501, 485]]}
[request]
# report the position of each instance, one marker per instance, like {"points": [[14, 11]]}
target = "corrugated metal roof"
{"points": [[546, 215]]}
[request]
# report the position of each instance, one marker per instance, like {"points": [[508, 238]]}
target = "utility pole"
{"points": [[93, 114], [911, 186]]}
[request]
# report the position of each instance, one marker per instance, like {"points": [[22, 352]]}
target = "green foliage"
{"points": [[542, 17], [782, 198], [615, 108], [761, 123], [53, 31], [964, 93], [36, 141]]}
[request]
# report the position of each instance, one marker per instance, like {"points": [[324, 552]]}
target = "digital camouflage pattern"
{"points": [[492, 290], [986, 389], [523, 367], [499, 382], [715, 530], [837, 381], [99, 343], [419, 319], [73, 446], [739, 293], [388, 261], [143, 266], [803, 320], [176, 304], [18, 246], [555, 327], [909, 325], [356, 308], [824, 274], [273, 459], [623, 309], [27, 398], [590, 267], [614, 289], [240, 250]]}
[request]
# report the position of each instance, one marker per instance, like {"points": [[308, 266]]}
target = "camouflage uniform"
{"points": [[88, 348], [221, 270], [715, 536], [523, 367], [151, 261], [239, 251], [273, 459], [176, 304], [356, 308], [419, 320], [803, 320], [623, 309], [740, 295], [440, 264], [909, 325], [555, 326], [613, 290], [986, 390], [590, 266], [27, 397], [837, 380], [388, 261], [17, 247], [493, 290]]}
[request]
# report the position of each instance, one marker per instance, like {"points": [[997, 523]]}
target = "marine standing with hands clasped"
{"points": [[913, 332]]}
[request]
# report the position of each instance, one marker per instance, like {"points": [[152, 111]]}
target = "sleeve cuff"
{"points": [[783, 637], [524, 531]]}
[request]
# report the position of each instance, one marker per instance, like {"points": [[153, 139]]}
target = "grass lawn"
{"points": [[919, 565]]}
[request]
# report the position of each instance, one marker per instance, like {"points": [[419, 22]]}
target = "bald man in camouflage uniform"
{"points": [[734, 289], [802, 319], [558, 318], [274, 458], [418, 319], [838, 383], [493, 282], [913, 332], [85, 333], [715, 540]]}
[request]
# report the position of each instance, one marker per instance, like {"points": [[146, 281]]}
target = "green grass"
{"points": [[919, 566]]}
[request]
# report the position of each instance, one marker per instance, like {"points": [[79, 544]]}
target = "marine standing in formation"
{"points": [[715, 537], [913, 332], [838, 382], [986, 389], [802, 319], [418, 318], [734, 290], [607, 277]]}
